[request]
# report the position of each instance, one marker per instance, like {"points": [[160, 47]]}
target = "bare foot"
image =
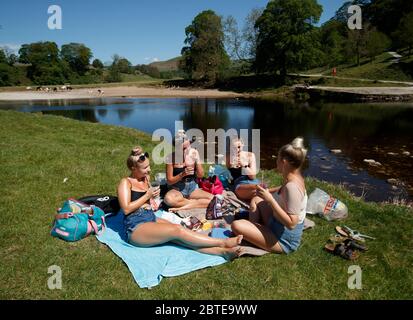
{"points": [[234, 241], [232, 253]]}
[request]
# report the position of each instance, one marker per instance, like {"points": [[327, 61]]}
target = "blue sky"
{"points": [[140, 30]]}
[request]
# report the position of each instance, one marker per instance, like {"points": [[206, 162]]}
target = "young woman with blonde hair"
{"points": [[277, 215], [144, 229]]}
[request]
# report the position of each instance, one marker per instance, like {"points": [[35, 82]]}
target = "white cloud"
{"points": [[151, 59], [10, 46]]}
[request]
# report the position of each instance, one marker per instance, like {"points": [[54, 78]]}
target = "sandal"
{"points": [[353, 244], [341, 250], [343, 232]]}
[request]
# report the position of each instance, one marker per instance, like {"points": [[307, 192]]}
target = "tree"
{"points": [[377, 42], [204, 57], [287, 38], [333, 36], [3, 58], [356, 44], [342, 14], [250, 32], [241, 45], [78, 56], [114, 72], [97, 64], [46, 66], [404, 33], [12, 59], [149, 70], [387, 14], [124, 65]]}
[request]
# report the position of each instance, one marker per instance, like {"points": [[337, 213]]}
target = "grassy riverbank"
{"points": [[39, 151]]}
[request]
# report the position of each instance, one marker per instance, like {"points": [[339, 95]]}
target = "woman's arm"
{"points": [[170, 178], [124, 196], [288, 220], [199, 170]]}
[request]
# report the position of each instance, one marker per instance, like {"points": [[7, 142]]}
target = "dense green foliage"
{"points": [[282, 37], [287, 38], [204, 57]]}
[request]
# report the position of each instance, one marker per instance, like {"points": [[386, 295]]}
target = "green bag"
{"points": [[76, 220]]}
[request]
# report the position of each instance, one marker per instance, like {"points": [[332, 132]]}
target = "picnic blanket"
{"points": [[149, 265]]}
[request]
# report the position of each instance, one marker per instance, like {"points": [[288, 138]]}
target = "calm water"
{"points": [[361, 131]]}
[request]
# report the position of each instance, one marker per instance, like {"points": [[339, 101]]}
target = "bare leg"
{"points": [[197, 199], [175, 199], [153, 233], [265, 211], [257, 234], [246, 191], [227, 253], [254, 213]]}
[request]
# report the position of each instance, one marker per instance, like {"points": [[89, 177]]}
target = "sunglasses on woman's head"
{"points": [[142, 157]]}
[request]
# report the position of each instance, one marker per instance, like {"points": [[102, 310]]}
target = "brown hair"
{"points": [[294, 152]]}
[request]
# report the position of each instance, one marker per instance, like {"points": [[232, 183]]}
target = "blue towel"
{"points": [[150, 265], [221, 233]]}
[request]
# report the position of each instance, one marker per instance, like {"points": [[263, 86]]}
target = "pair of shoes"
{"points": [[354, 244], [344, 247], [340, 249], [353, 234]]}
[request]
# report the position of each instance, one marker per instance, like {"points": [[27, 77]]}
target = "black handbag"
{"points": [[109, 204]]}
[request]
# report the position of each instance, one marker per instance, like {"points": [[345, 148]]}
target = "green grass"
{"points": [[38, 151], [381, 68], [137, 80]]}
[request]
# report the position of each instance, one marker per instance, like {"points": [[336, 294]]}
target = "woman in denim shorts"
{"points": [[276, 218], [181, 175], [144, 229]]}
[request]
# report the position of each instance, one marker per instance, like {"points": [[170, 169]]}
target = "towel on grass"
{"points": [[150, 265]]}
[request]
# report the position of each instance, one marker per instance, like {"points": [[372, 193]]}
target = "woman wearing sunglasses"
{"points": [[242, 165], [144, 229], [181, 175]]}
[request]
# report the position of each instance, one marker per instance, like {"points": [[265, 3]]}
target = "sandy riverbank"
{"points": [[86, 93]]}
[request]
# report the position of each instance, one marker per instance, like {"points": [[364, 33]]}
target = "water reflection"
{"points": [[361, 131]]}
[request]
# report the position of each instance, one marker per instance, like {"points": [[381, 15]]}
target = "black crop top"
{"points": [[235, 173], [177, 171], [135, 195]]}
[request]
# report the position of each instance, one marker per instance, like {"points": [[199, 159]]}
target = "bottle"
{"points": [[156, 201]]}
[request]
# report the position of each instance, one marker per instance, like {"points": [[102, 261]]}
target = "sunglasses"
{"points": [[142, 157]]}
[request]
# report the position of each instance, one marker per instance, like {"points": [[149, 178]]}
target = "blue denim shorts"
{"points": [[289, 240], [186, 188], [244, 180], [136, 218]]}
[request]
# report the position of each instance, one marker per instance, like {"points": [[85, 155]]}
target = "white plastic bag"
{"points": [[326, 206]]}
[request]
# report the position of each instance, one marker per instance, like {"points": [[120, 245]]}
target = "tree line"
{"points": [[44, 63], [283, 37]]}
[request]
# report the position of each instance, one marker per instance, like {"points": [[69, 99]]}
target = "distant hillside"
{"points": [[169, 65]]}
